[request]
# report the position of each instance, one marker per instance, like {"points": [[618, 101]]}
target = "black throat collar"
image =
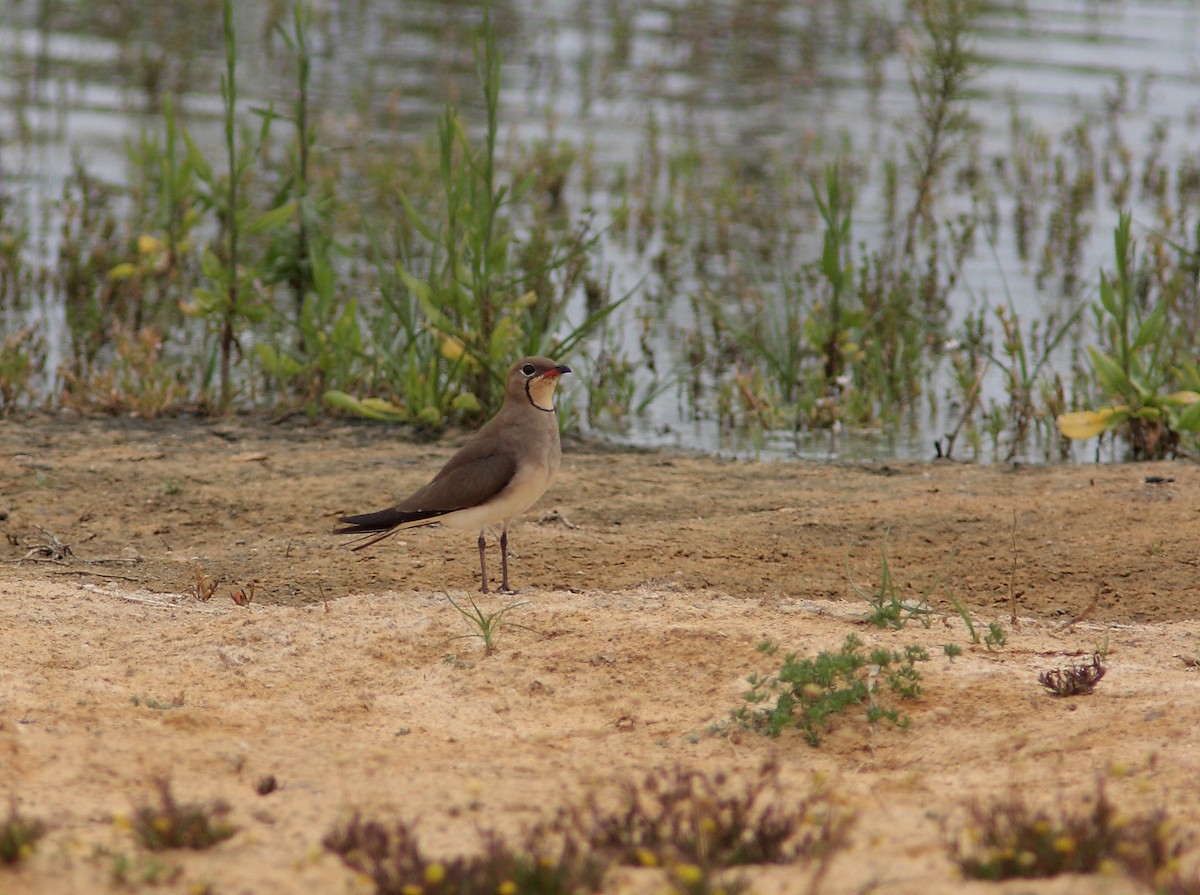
{"points": [[528, 395]]}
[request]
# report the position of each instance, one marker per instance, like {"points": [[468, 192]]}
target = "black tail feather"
{"points": [[383, 523]]}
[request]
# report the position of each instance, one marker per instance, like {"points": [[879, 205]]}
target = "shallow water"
{"points": [[75, 82]]}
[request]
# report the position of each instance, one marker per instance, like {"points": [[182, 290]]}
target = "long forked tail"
{"points": [[378, 525]]}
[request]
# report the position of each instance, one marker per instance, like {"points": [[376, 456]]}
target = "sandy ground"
{"points": [[648, 580]]}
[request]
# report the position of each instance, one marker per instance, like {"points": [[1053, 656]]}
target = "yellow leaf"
{"points": [[1085, 423], [1182, 398], [122, 271], [528, 300], [379, 405], [452, 348], [150, 245]]}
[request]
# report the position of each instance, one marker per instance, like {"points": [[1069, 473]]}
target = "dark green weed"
{"points": [[808, 693], [19, 836], [888, 607]]}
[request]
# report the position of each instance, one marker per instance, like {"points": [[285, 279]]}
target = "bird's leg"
{"points": [[483, 588], [504, 588]]}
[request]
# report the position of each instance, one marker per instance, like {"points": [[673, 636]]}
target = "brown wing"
{"points": [[456, 487], [463, 484]]}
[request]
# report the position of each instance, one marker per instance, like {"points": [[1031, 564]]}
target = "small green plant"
{"points": [[1074, 680], [610, 390], [140, 869], [995, 636], [889, 609], [486, 625], [19, 837], [22, 355], [1024, 354], [170, 824], [1010, 840], [939, 72], [481, 296], [806, 693], [321, 342], [166, 192], [232, 299], [1130, 367], [952, 651]]}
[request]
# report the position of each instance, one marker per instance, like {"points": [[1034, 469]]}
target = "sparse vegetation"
{"points": [[685, 824], [19, 836], [273, 271], [138, 869], [390, 856], [1130, 367], [486, 625], [1011, 840], [889, 609], [683, 817], [995, 635], [807, 693], [172, 824]]}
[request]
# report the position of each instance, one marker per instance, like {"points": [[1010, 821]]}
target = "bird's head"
{"points": [[534, 379]]}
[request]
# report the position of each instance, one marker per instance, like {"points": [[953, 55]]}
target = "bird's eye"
{"points": [[529, 369]]}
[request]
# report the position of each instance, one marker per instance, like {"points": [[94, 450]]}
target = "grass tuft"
{"points": [[170, 824], [888, 608], [19, 837], [486, 625]]}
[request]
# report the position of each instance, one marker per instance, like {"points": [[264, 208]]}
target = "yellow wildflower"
{"points": [[688, 874], [434, 874]]}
